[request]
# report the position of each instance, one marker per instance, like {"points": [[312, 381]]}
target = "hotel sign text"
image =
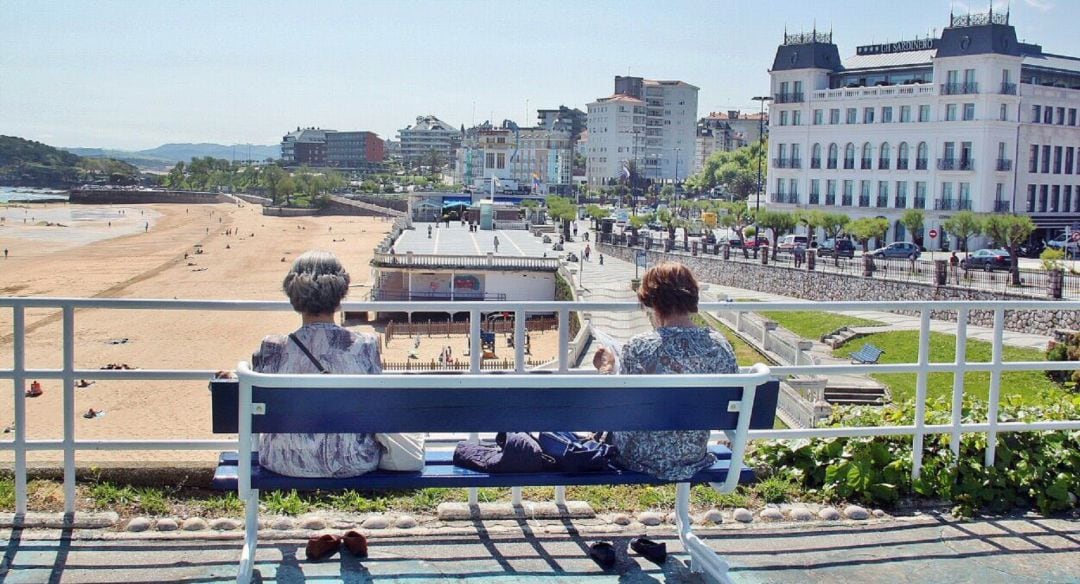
{"points": [[897, 47]]}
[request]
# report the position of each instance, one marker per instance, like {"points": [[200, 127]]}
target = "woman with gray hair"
{"points": [[315, 285]]}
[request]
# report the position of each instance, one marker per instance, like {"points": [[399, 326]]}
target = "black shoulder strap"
{"points": [[308, 353]]}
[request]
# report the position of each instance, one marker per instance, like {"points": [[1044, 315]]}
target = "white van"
{"points": [[790, 242]]}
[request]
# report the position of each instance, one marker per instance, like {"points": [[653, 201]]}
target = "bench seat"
{"points": [[439, 471]]}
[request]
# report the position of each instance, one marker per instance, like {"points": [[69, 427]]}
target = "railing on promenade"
{"points": [[411, 260], [1035, 283], [69, 445]]}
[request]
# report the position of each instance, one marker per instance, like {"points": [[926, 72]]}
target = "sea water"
{"points": [[41, 215], [28, 195]]}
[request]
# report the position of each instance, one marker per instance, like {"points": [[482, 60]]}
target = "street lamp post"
{"points": [[761, 141], [675, 193]]}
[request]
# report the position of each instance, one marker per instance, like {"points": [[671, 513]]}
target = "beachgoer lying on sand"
{"points": [[35, 389], [92, 413], [316, 285]]}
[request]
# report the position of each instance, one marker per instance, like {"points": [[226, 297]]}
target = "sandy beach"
{"points": [[142, 255]]}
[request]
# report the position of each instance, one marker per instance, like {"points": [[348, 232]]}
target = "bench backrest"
{"points": [[494, 403]]}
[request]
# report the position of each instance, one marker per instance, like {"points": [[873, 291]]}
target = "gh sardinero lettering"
{"points": [[897, 47]]}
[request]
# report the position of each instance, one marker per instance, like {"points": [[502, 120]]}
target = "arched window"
{"points": [[902, 157], [866, 154], [834, 152], [884, 155], [849, 156], [815, 156], [921, 155]]}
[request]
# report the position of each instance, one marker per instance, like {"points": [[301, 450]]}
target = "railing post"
{"points": [[958, 381], [474, 368], [519, 367], [69, 408], [19, 385], [564, 339], [920, 393], [995, 386]]}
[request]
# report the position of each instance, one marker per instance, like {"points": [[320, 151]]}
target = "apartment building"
{"points": [[320, 147], [651, 123], [538, 159], [972, 120], [726, 131], [427, 136]]}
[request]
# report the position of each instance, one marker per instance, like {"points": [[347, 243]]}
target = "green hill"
{"points": [[33, 164]]}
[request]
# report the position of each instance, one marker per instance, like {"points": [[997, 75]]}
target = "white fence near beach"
{"points": [[70, 444]]}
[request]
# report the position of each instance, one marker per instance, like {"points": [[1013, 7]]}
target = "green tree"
{"points": [[912, 220], [963, 225], [812, 220], [779, 223], [867, 228], [1010, 231], [833, 225], [564, 210], [736, 217]]}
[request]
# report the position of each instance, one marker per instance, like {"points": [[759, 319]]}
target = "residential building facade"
{"points": [[535, 159], [429, 139], [319, 147], [650, 123], [973, 120], [726, 131]]}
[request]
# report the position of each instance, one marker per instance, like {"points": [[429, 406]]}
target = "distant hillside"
{"points": [[165, 156], [33, 164]]}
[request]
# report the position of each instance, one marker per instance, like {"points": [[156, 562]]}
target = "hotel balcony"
{"points": [[1001, 206], [964, 204], [883, 201], [830, 200], [946, 205], [846, 201], [396, 295], [901, 203], [468, 262], [955, 164], [920, 164], [864, 200], [866, 164], [785, 198], [1008, 88], [883, 164], [781, 163], [901, 164], [792, 97], [920, 202], [1004, 164], [849, 164], [815, 198], [816, 163], [796, 163], [959, 88]]}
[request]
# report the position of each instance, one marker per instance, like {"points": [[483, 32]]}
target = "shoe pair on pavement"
{"points": [[603, 553], [326, 545]]}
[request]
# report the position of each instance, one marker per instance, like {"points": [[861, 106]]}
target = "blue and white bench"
{"points": [[867, 355], [488, 403]]}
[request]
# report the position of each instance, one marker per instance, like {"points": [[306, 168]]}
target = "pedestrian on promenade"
{"points": [[954, 267], [496, 242], [601, 259], [800, 255], [575, 228], [429, 232], [588, 251]]}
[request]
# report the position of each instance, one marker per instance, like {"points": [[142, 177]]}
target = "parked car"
{"points": [[987, 259], [1031, 249], [841, 247], [1065, 242], [760, 240], [900, 249], [789, 242]]}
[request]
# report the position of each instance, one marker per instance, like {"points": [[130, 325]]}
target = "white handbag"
{"points": [[401, 452]]}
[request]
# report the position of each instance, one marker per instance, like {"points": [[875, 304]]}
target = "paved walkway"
{"points": [[920, 549]]}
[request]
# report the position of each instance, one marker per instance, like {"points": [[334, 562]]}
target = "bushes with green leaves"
{"points": [[1039, 469]]}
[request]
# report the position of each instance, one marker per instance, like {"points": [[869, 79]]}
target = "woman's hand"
{"points": [[604, 360]]}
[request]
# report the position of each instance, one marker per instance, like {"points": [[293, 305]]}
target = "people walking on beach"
{"points": [[5, 253], [146, 227], [496, 242]]}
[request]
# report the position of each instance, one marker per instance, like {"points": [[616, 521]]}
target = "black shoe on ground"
{"points": [[603, 553], [653, 551]]}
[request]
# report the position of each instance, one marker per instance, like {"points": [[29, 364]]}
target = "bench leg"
{"points": [[251, 538], [703, 560]]}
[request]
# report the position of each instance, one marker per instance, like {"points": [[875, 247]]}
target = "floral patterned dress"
{"points": [[672, 455], [319, 455]]}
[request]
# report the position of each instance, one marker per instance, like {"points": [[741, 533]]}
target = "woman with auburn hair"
{"points": [[669, 292]]}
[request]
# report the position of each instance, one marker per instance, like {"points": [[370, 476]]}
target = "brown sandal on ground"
{"points": [[321, 547], [356, 543]]}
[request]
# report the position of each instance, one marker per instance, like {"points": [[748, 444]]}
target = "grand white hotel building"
{"points": [[971, 120]]}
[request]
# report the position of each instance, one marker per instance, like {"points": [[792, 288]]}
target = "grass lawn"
{"points": [[745, 355], [903, 347], [811, 324]]}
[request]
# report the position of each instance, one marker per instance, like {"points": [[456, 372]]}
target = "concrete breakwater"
{"points": [[821, 286], [144, 196]]}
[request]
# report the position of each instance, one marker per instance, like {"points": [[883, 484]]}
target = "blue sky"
{"points": [[139, 74]]}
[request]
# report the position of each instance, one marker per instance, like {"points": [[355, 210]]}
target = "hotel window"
{"points": [[500, 160], [1036, 114], [969, 79], [1046, 159], [834, 152], [883, 156], [849, 192], [815, 156], [901, 194], [1043, 196], [489, 160], [1061, 116], [921, 154], [1003, 114], [886, 115], [905, 114], [1057, 159], [834, 116], [1069, 160], [830, 192], [793, 188], [866, 154], [868, 115], [1048, 115], [819, 117], [882, 193], [849, 156], [1066, 198], [1055, 198], [950, 112], [852, 115], [1033, 159], [969, 112], [965, 196], [1072, 116], [815, 191], [1031, 199], [864, 193], [920, 195], [902, 157], [784, 118], [796, 118], [924, 113]]}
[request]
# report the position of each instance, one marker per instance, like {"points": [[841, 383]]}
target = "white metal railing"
{"points": [[68, 373], [414, 260]]}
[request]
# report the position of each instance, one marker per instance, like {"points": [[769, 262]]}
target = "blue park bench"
{"points": [[258, 402], [868, 354]]}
